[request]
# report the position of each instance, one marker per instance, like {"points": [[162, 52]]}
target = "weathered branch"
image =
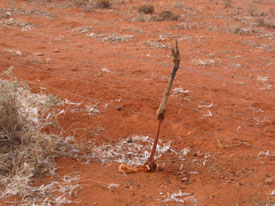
{"points": [[176, 59]]}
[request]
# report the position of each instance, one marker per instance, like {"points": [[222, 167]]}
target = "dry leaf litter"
{"points": [[131, 151]]}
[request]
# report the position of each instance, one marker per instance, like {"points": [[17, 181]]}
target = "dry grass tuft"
{"points": [[254, 12], [269, 23], [162, 16], [146, 9], [89, 5], [80, 3], [25, 151], [227, 4], [10, 122], [101, 4], [167, 16], [178, 5]]}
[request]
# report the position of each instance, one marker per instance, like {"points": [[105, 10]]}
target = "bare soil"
{"points": [[119, 60]]}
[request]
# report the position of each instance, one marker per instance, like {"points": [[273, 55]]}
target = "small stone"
{"points": [[262, 79], [200, 154], [197, 142], [47, 60], [184, 179], [8, 14], [268, 181], [262, 163], [119, 108], [38, 54]]}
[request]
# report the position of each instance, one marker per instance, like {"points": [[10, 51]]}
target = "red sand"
{"points": [[226, 58]]}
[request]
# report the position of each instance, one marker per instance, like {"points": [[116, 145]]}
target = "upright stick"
{"points": [[162, 107]]}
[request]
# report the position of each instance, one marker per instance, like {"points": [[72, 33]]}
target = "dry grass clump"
{"points": [[269, 23], [157, 45], [227, 4], [116, 38], [254, 12], [162, 16], [89, 5], [80, 3], [10, 122], [167, 16], [25, 151], [101, 4], [146, 9], [112, 37], [178, 5]]}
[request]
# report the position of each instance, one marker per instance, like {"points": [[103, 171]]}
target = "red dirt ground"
{"points": [[228, 60]]}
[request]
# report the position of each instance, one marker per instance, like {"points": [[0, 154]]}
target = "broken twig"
{"points": [[150, 164], [162, 107]]}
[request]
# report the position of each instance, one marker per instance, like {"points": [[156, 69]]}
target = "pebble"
{"points": [[268, 181], [119, 108], [38, 54], [184, 179], [47, 60]]}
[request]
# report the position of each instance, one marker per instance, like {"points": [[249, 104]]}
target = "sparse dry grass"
{"points": [[157, 45], [112, 37], [25, 151]]}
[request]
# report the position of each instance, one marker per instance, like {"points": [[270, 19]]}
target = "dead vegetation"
{"points": [[227, 4], [10, 124], [146, 9], [264, 22], [253, 11], [157, 45], [11, 22], [166, 15], [80, 3], [90, 5], [112, 37], [25, 151], [101, 4]]}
